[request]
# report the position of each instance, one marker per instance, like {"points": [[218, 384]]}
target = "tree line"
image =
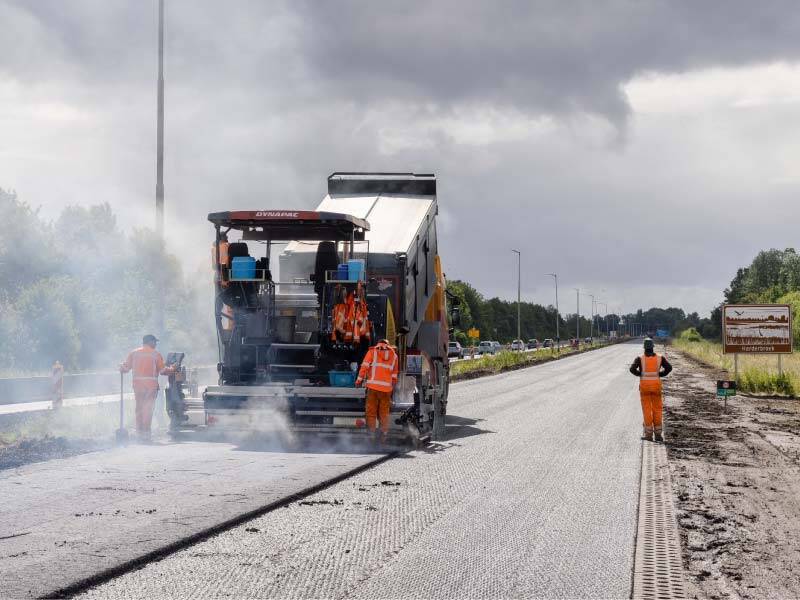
{"points": [[773, 277], [80, 291], [496, 319]]}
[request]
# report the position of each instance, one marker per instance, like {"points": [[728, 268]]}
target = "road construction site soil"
{"points": [[736, 483]]}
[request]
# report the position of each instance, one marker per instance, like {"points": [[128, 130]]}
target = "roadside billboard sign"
{"points": [[756, 329], [662, 333], [474, 333]]}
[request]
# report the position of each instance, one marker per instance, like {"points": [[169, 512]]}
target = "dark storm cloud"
{"points": [[264, 100], [552, 56]]}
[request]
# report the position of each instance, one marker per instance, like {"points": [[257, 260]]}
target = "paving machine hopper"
{"points": [[301, 296]]}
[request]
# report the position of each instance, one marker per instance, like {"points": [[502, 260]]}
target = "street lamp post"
{"points": [[605, 310], [159, 309], [519, 293], [558, 318], [591, 327], [578, 316]]}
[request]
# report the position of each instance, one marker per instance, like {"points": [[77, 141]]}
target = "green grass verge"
{"points": [[758, 374]]}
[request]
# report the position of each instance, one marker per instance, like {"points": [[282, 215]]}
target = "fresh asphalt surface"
{"points": [[533, 494]]}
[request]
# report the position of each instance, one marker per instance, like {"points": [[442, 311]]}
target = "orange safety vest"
{"points": [[649, 381], [146, 364], [339, 316], [379, 368]]}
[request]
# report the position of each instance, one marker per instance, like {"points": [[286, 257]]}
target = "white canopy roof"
{"points": [[393, 219]]}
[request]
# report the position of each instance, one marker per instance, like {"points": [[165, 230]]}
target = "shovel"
{"points": [[122, 433]]}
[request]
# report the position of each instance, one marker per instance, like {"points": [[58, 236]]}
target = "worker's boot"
{"points": [[375, 439], [647, 434], [659, 435], [384, 439]]}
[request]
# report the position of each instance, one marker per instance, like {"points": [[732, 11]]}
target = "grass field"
{"points": [[758, 374]]}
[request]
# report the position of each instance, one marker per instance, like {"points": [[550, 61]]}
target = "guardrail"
{"points": [[20, 390]]}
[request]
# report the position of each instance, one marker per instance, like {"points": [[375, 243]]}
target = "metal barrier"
{"points": [[18, 390]]}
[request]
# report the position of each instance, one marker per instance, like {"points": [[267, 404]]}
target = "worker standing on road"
{"points": [[379, 374], [650, 368], [146, 363]]}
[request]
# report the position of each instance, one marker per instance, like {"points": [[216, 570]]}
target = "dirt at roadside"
{"points": [[736, 483]]}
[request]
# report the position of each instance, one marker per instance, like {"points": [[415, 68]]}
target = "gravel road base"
{"points": [[736, 480]]}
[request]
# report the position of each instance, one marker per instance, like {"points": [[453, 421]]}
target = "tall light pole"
{"points": [[591, 327], [159, 307], [578, 317], [605, 309], [160, 127], [558, 335], [519, 293]]}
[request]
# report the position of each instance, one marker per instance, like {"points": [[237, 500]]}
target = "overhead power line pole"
{"points": [[578, 315]]}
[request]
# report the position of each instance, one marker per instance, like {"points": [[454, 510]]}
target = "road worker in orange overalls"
{"points": [[650, 368], [379, 374], [147, 364]]}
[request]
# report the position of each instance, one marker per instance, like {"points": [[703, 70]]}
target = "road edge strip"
{"points": [[658, 566], [106, 575]]}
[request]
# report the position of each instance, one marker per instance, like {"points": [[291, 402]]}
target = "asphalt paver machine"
{"points": [[301, 295]]}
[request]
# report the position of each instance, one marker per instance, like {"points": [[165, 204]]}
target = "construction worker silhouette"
{"points": [[147, 364], [650, 368], [379, 374]]}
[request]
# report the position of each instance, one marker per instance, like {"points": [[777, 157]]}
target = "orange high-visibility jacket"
{"points": [[649, 381], [146, 364], [379, 368]]}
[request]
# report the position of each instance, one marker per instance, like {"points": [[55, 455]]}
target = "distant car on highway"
{"points": [[533, 344], [587, 340], [489, 347], [548, 343], [517, 346], [454, 350]]}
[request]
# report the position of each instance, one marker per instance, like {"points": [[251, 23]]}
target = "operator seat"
{"points": [[327, 260]]}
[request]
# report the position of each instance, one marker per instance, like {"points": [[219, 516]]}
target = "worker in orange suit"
{"points": [[650, 368], [147, 364], [378, 374]]}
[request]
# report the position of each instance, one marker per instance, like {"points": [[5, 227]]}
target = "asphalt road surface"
{"points": [[534, 494]]}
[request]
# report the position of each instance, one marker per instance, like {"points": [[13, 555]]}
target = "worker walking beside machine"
{"points": [[379, 375], [147, 364]]}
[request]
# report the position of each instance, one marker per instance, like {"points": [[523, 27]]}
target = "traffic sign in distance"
{"points": [[726, 388], [474, 333]]}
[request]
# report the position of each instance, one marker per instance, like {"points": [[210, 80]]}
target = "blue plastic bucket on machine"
{"points": [[356, 268], [342, 272], [342, 378], [243, 267]]}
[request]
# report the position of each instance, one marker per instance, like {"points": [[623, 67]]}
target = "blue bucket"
{"points": [[342, 378], [342, 272], [243, 267], [356, 268]]}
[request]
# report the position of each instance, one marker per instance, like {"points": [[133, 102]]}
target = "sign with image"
{"points": [[474, 333], [756, 328], [726, 388]]}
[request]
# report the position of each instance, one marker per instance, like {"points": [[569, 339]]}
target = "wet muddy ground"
{"points": [[736, 482]]}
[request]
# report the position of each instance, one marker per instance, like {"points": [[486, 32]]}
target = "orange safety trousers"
{"points": [[378, 405], [651, 410], [145, 402]]}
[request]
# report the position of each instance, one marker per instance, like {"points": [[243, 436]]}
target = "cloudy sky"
{"points": [[642, 150]]}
